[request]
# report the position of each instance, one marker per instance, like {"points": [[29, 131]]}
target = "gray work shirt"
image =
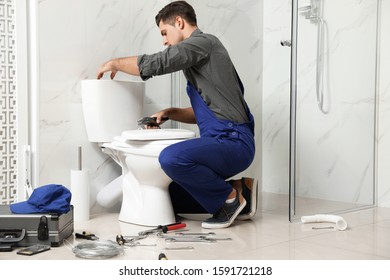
{"points": [[207, 65]]}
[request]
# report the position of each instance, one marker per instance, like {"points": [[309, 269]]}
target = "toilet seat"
{"points": [[122, 142], [157, 134], [143, 140]]}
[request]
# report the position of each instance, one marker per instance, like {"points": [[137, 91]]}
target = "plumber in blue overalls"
{"points": [[200, 167]]}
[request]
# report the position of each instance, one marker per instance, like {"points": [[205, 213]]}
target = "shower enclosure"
{"points": [[333, 106]]}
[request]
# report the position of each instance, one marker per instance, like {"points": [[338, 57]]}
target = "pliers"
{"points": [[86, 235], [150, 121]]}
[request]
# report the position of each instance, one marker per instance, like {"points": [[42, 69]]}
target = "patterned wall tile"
{"points": [[8, 104]]}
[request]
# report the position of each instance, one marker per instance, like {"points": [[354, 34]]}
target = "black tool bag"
{"points": [[21, 230]]}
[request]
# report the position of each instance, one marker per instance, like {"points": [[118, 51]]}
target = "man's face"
{"points": [[171, 34]]}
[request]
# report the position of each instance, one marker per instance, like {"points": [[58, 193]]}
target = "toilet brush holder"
{"points": [[79, 185]]}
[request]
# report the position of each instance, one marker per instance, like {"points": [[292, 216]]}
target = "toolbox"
{"points": [[20, 230]]}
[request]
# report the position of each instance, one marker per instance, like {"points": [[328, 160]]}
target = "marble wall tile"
{"points": [[275, 116], [75, 38], [239, 27], [383, 163], [328, 164]]}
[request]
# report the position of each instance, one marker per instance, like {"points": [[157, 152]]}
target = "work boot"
{"points": [[248, 188]]}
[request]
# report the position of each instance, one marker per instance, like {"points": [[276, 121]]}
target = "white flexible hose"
{"points": [[111, 193], [341, 224], [97, 249]]}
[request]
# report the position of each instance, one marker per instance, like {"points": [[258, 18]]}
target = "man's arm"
{"points": [[124, 64]]}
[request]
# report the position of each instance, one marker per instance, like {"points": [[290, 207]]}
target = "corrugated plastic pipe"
{"points": [[341, 224]]}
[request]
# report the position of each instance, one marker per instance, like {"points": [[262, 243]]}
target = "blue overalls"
{"points": [[200, 166]]}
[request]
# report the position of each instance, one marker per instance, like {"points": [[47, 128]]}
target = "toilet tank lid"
{"points": [[158, 134]]}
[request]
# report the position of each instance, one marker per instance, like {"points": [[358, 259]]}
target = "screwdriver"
{"points": [[163, 229]]}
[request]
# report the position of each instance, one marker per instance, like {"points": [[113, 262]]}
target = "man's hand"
{"points": [[124, 64], [107, 67]]}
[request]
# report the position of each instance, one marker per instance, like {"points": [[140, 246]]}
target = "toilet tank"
{"points": [[110, 107]]}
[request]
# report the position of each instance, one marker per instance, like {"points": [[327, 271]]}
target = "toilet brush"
{"points": [[79, 181]]}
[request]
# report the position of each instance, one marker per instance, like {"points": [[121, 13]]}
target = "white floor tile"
{"points": [[268, 236]]}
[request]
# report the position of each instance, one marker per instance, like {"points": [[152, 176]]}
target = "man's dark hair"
{"points": [[169, 13]]}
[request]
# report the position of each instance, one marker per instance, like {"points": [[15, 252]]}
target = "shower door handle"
{"points": [[286, 43]]}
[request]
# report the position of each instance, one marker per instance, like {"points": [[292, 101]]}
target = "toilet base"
{"points": [[146, 200], [148, 206]]}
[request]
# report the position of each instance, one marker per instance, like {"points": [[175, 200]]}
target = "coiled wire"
{"points": [[97, 249]]}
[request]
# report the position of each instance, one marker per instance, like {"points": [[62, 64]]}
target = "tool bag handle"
{"points": [[9, 239]]}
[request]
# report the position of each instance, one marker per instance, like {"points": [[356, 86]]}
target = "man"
{"points": [[200, 167]]}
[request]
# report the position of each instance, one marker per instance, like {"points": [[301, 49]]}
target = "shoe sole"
{"points": [[227, 224], [253, 209]]}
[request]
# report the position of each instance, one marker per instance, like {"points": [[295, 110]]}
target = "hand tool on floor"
{"points": [[86, 235], [189, 239], [150, 121], [134, 244], [163, 229], [195, 238], [121, 240], [131, 241], [322, 228], [195, 233], [162, 256], [180, 248]]}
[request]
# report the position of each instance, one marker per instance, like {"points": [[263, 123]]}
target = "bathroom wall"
{"points": [[76, 37], [8, 104], [238, 25], [358, 23], [328, 166], [383, 162], [275, 116]]}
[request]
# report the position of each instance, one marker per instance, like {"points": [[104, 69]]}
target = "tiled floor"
{"points": [[269, 236]]}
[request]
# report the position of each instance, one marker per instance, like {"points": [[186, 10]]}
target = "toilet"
{"points": [[111, 110]]}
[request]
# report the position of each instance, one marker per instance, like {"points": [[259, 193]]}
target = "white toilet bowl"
{"points": [[112, 108], [146, 199]]}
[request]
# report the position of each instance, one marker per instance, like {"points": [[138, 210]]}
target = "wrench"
{"points": [[180, 248], [189, 239], [195, 233], [133, 244]]}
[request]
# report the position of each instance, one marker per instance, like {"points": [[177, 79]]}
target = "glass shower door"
{"points": [[333, 102]]}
